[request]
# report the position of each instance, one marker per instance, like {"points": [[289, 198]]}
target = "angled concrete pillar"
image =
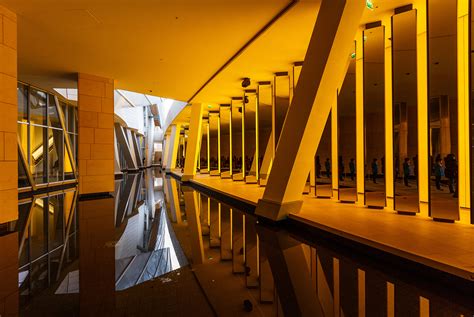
{"points": [[173, 147], [331, 43], [96, 134], [194, 142]]}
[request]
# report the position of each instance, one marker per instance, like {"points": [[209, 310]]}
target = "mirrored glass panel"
{"points": [[374, 116], [251, 136], [323, 163], [214, 135], [204, 153], [22, 102], [281, 101], [265, 138], [37, 106], [443, 109], [53, 115], [405, 118], [346, 112], [226, 154], [237, 138], [38, 148], [55, 155]]}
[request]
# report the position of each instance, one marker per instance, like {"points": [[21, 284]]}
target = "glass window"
{"points": [[38, 240], [68, 172], [22, 176], [53, 116], [38, 153], [22, 102], [55, 155], [37, 104], [56, 221], [72, 119], [22, 130], [23, 211]]}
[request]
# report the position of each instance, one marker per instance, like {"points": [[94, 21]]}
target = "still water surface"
{"points": [[162, 248]]}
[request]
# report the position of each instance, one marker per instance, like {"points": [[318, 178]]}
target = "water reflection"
{"points": [[294, 273], [238, 262]]}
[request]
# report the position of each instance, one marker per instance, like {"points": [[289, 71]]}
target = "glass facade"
{"points": [[47, 228], [45, 127]]}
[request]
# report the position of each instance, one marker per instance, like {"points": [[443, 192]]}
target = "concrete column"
{"points": [[96, 134], [322, 73], [422, 101], [173, 147], [194, 142], [463, 33], [360, 135], [8, 118], [166, 149]]}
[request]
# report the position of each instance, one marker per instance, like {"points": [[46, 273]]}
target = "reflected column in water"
{"points": [[443, 110], [405, 108], [215, 224], [290, 269], [374, 115], [251, 136], [346, 112], [238, 257], [226, 232], [191, 203], [325, 281], [267, 285], [204, 214], [97, 260], [9, 294], [348, 280], [251, 253]]}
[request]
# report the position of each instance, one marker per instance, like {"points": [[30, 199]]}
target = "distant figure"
{"points": [[327, 165], [375, 170], [159, 161], [318, 167], [406, 171], [451, 171], [341, 168], [438, 171], [352, 168]]}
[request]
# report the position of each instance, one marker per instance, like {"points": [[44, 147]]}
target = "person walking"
{"points": [[327, 165], [375, 170], [352, 168], [438, 171], [406, 171]]}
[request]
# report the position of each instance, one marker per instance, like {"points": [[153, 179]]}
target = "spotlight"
{"points": [[245, 82]]}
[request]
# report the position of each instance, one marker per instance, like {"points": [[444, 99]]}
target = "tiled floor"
{"points": [[444, 246]]}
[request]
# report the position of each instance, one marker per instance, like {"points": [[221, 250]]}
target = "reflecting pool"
{"points": [[160, 247]]}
